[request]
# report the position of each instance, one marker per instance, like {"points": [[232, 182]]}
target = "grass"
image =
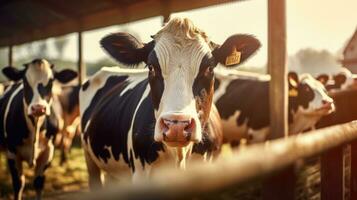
{"points": [[69, 178]]}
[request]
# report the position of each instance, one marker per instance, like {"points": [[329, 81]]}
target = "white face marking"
{"points": [[36, 74], [320, 94], [179, 63]]}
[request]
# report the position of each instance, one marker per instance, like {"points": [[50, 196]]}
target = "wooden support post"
{"points": [[353, 181], [165, 11], [280, 185], [332, 174], [166, 18], [81, 68], [276, 64], [10, 58]]}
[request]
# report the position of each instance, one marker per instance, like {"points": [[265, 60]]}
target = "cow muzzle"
{"points": [[38, 110], [177, 130]]}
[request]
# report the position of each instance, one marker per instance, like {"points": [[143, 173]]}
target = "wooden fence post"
{"points": [[10, 56], [332, 174], [353, 181], [81, 68], [280, 185]]}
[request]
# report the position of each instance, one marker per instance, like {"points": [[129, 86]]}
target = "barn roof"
{"points": [[354, 36], [24, 21]]}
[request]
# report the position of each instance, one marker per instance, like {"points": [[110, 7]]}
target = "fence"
{"points": [[260, 160]]}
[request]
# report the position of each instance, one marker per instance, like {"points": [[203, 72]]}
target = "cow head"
{"points": [[38, 77], [180, 59], [309, 96], [343, 80], [323, 78]]}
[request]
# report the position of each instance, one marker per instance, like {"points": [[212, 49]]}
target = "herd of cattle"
{"points": [[180, 107]]}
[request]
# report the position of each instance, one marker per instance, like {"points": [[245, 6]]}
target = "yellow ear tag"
{"points": [[293, 93], [234, 58]]}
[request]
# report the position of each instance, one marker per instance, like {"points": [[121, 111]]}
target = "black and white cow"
{"points": [[242, 100], [66, 103], [132, 118], [340, 81], [27, 124]]}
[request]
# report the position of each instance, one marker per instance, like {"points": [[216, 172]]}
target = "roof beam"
{"points": [[114, 16], [56, 8]]}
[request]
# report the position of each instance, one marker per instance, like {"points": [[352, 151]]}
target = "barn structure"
{"points": [[350, 54], [27, 21]]}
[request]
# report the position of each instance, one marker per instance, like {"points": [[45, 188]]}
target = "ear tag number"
{"points": [[293, 93], [234, 58]]}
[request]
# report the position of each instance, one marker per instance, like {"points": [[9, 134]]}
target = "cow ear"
{"points": [[236, 49], [126, 49], [323, 78], [13, 73], [65, 75], [293, 80]]}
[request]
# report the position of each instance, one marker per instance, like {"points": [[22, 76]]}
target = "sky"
{"points": [[318, 24]]}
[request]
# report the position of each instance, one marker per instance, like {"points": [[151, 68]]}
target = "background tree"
{"points": [[313, 61], [60, 44]]}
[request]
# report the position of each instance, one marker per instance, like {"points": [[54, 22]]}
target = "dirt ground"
{"points": [[70, 180], [60, 180]]}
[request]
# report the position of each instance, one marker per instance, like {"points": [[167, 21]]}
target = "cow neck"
{"points": [[34, 127], [300, 121]]}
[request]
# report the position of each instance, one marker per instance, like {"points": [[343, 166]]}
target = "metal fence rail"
{"points": [[246, 164]]}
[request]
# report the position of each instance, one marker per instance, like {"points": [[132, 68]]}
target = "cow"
{"points": [[66, 102], [133, 118], [340, 81], [27, 121], [242, 100]]}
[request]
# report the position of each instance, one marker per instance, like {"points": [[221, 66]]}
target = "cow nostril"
{"points": [[164, 125], [325, 102], [38, 109], [190, 126], [164, 128], [188, 136]]}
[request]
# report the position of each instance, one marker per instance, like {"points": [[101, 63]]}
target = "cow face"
{"points": [[180, 60], [309, 96], [343, 80], [340, 81], [38, 77], [323, 78]]}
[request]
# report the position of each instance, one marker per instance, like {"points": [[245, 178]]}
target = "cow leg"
{"points": [[63, 147], [42, 163], [63, 159], [18, 179], [94, 173]]}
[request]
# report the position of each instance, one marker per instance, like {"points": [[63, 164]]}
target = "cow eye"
{"points": [[150, 67], [209, 71], [151, 70], [307, 89]]}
